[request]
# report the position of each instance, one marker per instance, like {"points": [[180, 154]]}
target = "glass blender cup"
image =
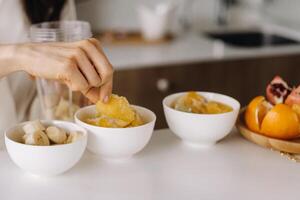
{"points": [[56, 99]]}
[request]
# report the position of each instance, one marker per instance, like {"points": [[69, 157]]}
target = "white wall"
{"points": [[106, 14], [121, 14], [285, 11], [109, 14]]}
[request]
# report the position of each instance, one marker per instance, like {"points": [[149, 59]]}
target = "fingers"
{"points": [[92, 73], [31, 77], [98, 58], [105, 91], [68, 70], [93, 94], [87, 69], [82, 61], [104, 68], [75, 80]]}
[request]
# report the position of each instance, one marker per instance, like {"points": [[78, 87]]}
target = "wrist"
{"points": [[9, 61], [21, 55]]}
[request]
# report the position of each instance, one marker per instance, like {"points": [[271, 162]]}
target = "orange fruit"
{"points": [[281, 122], [296, 109], [255, 113]]}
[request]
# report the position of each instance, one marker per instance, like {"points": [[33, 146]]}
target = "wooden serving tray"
{"points": [[289, 146]]}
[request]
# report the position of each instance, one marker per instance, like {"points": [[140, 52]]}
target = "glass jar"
{"points": [[56, 99]]}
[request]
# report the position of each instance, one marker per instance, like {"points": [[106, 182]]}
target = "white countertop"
{"points": [[165, 169], [188, 48]]}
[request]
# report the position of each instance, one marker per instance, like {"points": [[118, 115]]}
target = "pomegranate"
{"points": [[294, 97], [277, 91]]}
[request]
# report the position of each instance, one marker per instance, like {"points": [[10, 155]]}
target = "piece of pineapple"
{"points": [[116, 108]]}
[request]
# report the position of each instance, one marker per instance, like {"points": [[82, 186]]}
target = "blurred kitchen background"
{"points": [[160, 47]]}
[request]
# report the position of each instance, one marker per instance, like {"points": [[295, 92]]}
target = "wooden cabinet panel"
{"points": [[241, 79]]}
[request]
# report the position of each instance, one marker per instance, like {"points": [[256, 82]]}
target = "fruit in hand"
{"points": [[117, 108], [116, 113]]}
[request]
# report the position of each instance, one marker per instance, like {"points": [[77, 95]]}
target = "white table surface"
{"points": [[165, 169]]}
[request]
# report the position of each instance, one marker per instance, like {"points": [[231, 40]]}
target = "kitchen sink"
{"points": [[252, 39]]}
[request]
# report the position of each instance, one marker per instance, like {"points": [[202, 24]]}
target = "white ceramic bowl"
{"points": [[201, 129], [117, 143], [45, 160]]}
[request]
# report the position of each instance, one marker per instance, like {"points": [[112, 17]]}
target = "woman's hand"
{"points": [[81, 65]]}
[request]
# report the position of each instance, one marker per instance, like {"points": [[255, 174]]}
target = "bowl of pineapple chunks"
{"points": [[45, 148], [200, 119], [116, 129]]}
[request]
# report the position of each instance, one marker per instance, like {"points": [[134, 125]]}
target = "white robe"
{"points": [[18, 100]]}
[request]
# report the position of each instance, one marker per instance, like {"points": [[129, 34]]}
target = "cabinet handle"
{"points": [[163, 84]]}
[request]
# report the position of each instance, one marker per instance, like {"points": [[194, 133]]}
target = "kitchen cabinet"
{"points": [[242, 79]]}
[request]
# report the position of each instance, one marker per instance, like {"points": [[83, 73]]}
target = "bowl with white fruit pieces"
{"points": [[45, 148]]}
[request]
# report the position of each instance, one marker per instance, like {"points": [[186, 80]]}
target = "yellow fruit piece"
{"points": [[92, 121], [117, 113], [255, 113], [213, 107], [116, 108], [138, 121], [107, 122], [113, 123], [194, 103], [191, 102], [281, 122]]}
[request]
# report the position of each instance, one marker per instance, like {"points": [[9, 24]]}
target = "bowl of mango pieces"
{"points": [[45, 148], [117, 130], [200, 119]]}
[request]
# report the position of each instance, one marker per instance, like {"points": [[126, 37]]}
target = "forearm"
{"points": [[9, 60], [81, 65]]}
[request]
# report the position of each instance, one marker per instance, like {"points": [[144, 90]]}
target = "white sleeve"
{"points": [[8, 115], [69, 11]]}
